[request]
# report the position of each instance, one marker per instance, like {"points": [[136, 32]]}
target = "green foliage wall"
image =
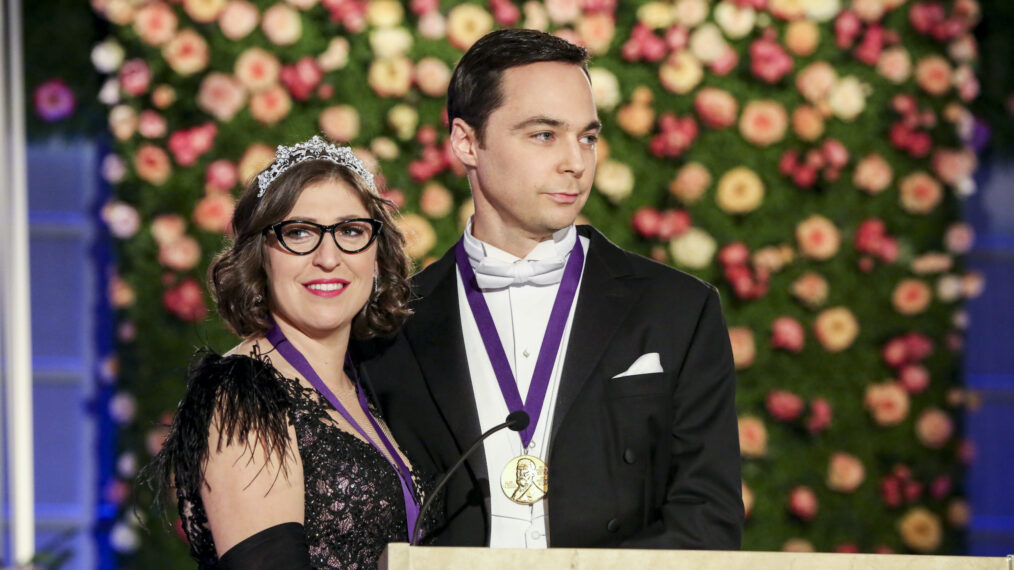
{"points": [[807, 156]]}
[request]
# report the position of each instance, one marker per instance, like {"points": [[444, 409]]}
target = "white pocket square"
{"points": [[645, 364]]}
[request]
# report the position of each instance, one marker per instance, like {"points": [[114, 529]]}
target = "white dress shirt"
{"points": [[521, 314]]}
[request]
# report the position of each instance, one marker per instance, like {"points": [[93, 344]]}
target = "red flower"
{"points": [[186, 301], [768, 61], [784, 406], [803, 502], [646, 221], [135, 77], [914, 378], [787, 334], [301, 78], [678, 133], [820, 415]]}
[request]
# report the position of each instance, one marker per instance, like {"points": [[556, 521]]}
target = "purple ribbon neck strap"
{"points": [[292, 355], [550, 341]]}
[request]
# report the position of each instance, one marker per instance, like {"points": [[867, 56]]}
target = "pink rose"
{"points": [[213, 213], [432, 76], [845, 473], [914, 378], [919, 193], [596, 32], [220, 176], [934, 428], [816, 81], [135, 77], [763, 122], [783, 405], [716, 107], [221, 96], [155, 23], [690, 183], [895, 65], [959, 238], [282, 25], [181, 254], [271, 105], [187, 53], [676, 136], [954, 167], [121, 219], [873, 174], [340, 123], [753, 437], [768, 61], [166, 228], [818, 238], [151, 125], [820, 415], [803, 502], [238, 19], [743, 349], [301, 78], [887, 402], [152, 164], [787, 334], [436, 201], [257, 69], [186, 301], [187, 145]]}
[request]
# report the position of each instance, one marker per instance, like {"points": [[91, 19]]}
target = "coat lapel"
{"points": [[434, 333], [606, 296]]}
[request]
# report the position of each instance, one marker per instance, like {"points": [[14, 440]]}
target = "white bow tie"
{"points": [[496, 274]]}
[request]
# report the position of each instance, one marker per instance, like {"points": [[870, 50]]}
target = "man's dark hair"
{"points": [[475, 89]]}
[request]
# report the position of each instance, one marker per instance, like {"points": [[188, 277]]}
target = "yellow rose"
{"points": [[466, 23], [203, 11], [403, 119], [656, 15], [740, 191], [390, 77], [681, 72], [615, 180], [336, 56], [847, 98], [282, 25], [390, 42], [920, 530], [735, 21], [605, 88], [256, 158], [419, 235], [384, 13], [836, 329], [690, 13], [818, 238], [694, 248]]}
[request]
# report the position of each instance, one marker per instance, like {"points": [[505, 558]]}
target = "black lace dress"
{"points": [[354, 504]]}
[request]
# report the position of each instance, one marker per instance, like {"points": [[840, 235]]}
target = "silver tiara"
{"points": [[314, 149]]}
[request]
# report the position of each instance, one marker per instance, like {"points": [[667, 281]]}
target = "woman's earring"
{"points": [[373, 295], [258, 299]]}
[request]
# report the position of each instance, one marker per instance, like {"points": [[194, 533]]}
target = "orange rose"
{"points": [[920, 530], [810, 289], [954, 167], [436, 201], [933, 75], [166, 228], [637, 119], [466, 23], [155, 23], [419, 235], [213, 213], [798, 544], [187, 53], [748, 499], [152, 164], [123, 122], [919, 193], [753, 437], [391, 77], [808, 123], [845, 473], [256, 158], [163, 96], [257, 69], [887, 403], [836, 329], [271, 105], [221, 96], [340, 123], [911, 297], [873, 174], [740, 191], [763, 122], [958, 513], [282, 25], [121, 294], [744, 351], [934, 428], [802, 37], [692, 179], [818, 238], [238, 19], [203, 11]]}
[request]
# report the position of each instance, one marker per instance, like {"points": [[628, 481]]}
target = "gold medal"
{"points": [[525, 479]]}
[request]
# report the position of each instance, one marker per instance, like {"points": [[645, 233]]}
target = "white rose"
{"points": [[107, 56], [615, 180], [707, 43], [736, 22], [605, 88], [821, 10], [949, 288], [694, 249], [336, 56], [655, 15], [109, 94], [390, 42], [848, 98], [123, 538]]}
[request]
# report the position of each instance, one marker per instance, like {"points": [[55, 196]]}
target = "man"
{"points": [[623, 364]]}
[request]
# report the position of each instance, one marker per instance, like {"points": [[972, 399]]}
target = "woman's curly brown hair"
{"points": [[237, 279]]}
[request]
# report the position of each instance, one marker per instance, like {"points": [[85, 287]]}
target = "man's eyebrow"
{"points": [[543, 120]]}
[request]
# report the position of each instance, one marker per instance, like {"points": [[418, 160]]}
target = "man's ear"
{"points": [[464, 142]]}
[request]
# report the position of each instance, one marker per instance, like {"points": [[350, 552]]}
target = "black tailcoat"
{"points": [[645, 461]]}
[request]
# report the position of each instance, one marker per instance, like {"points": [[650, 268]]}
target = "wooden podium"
{"points": [[401, 556]]}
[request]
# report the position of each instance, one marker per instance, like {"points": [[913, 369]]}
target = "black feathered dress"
{"points": [[354, 505]]}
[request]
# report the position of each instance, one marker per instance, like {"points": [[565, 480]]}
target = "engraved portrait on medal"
{"points": [[525, 479]]}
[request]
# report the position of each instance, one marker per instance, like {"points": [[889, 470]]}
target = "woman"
{"points": [[277, 458]]}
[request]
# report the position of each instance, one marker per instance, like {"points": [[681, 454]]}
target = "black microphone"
{"points": [[517, 421]]}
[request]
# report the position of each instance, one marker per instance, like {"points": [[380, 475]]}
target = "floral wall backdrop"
{"points": [[809, 157]]}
